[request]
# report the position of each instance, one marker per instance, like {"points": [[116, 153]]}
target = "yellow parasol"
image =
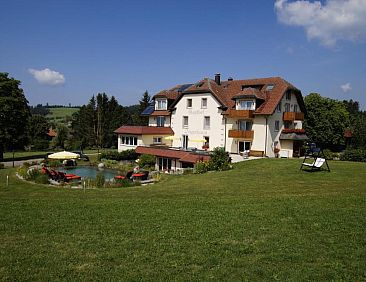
{"points": [[64, 155]]}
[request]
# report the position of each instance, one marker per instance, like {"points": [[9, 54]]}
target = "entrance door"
{"points": [[243, 146], [298, 152]]}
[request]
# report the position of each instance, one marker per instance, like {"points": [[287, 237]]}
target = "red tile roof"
{"points": [[227, 90], [183, 156], [51, 133], [144, 130], [172, 93]]}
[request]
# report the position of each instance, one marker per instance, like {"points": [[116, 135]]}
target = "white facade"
{"points": [[205, 122]]}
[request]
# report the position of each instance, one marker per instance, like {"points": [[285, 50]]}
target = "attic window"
{"points": [[269, 87], [199, 84]]}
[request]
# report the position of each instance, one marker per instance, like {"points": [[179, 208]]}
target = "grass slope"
{"points": [[263, 220], [60, 114]]}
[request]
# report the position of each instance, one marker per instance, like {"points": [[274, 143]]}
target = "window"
{"points": [[287, 107], [165, 163], [129, 140], [245, 125], [206, 123], [295, 108], [269, 87], [189, 103], [157, 140], [246, 105], [160, 104], [185, 141], [204, 103], [160, 121], [277, 125], [288, 96], [278, 107], [207, 142], [185, 121]]}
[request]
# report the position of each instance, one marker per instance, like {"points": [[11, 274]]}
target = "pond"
{"points": [[90, 171]]}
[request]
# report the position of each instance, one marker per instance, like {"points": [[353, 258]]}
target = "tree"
{"points": [[59, 141], [38, 127], [326, 121], [357, 124], [143, 104], [14, 114]]}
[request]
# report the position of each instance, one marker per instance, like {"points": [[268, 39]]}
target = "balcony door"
{"points": [[245, 125], [243, 146]]}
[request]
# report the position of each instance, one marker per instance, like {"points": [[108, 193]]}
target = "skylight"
{"points": [[269, 87]]}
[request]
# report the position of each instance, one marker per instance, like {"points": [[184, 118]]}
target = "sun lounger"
{"points": [[317, 164]]}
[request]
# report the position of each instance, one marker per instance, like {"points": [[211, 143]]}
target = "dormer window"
{"points": [[288, 96], [269, 87], [160, 104], [245, 105]]}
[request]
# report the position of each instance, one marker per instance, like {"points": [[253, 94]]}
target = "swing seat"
{"points": [[317, 164]]}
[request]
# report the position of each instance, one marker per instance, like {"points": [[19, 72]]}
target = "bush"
{"points": [[123, 183], [114, 155], [201, 167], [41, 179], [2, 166], [33, 174], [54, 163], [220, 159], [100, 180], [354, 155], [147, 160], [40, 144]]}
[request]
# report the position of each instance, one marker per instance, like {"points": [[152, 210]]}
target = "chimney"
{"points": [[217, 79]]}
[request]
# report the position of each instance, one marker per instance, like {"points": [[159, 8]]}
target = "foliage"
{"points": [[326, 121], [119, 156], [201, 167], [2, 166], [329, 155], [220, 159], [14, 114], [146, 160], [38, 127], [62, 133], [357, 124], [41, 179], [53, 163], [39, 110], [354, 155], [100, 180], [188, 171], [124, 183], [143, 104]]}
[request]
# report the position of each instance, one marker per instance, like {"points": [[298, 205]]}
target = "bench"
{"points": [[256, 153]]}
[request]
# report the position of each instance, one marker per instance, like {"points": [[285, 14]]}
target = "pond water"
{"points": [[89, 171]]}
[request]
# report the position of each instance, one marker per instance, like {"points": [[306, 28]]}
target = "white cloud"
{"points": [[329, 22], [346, 87], [48, 77]]}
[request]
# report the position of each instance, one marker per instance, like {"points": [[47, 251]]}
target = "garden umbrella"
{"points": [[63, 155]]}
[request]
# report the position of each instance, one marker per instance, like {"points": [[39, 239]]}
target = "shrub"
{"points": [[41, 179], [22, 171], [54, 163], [354, 155], [114, 155], [100, 180], [2, 166], [147, 160], [123, 183], [329, 155], [220, 159], [201, 167], [32, 174]]}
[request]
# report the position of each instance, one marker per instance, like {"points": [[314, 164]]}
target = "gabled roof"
{"points": [[144, 130], [183, 156], [270, 90]]}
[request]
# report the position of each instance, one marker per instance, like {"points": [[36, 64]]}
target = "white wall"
{"points": [[142, 140], [196, 114]]}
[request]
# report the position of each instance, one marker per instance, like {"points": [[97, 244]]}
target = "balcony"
{"points": [[291, 116], [240, 113], [245, 134]]}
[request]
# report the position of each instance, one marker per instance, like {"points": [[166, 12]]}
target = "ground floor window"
{"points": [[244, 146], [157, 140], [165, 163], [129, 140]]}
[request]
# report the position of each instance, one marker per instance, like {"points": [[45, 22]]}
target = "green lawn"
{"points": [[263, 220], [56, 113]]}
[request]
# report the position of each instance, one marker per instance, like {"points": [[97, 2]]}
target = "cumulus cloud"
{"points": [[330, 22], [346, 87], [48, 77]]}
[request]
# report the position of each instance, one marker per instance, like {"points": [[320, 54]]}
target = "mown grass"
{"points": [[263, 220], [61, 113]]}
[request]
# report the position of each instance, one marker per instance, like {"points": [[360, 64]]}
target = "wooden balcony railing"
{"points": [[291, 116], [241, 113], [245, 134]]}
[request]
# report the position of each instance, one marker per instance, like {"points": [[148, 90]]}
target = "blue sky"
{"points": [[66, 51]]}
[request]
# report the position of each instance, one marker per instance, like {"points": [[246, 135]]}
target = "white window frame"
{"points": [[247, 122], [288, 96], [204, 104], [206, 122], [129, 140], [158, 123], [287, 107], [247, 105], [157, 141], [279, 107], [161, 104], [184, 123], [189, 101], [295, 108]]}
